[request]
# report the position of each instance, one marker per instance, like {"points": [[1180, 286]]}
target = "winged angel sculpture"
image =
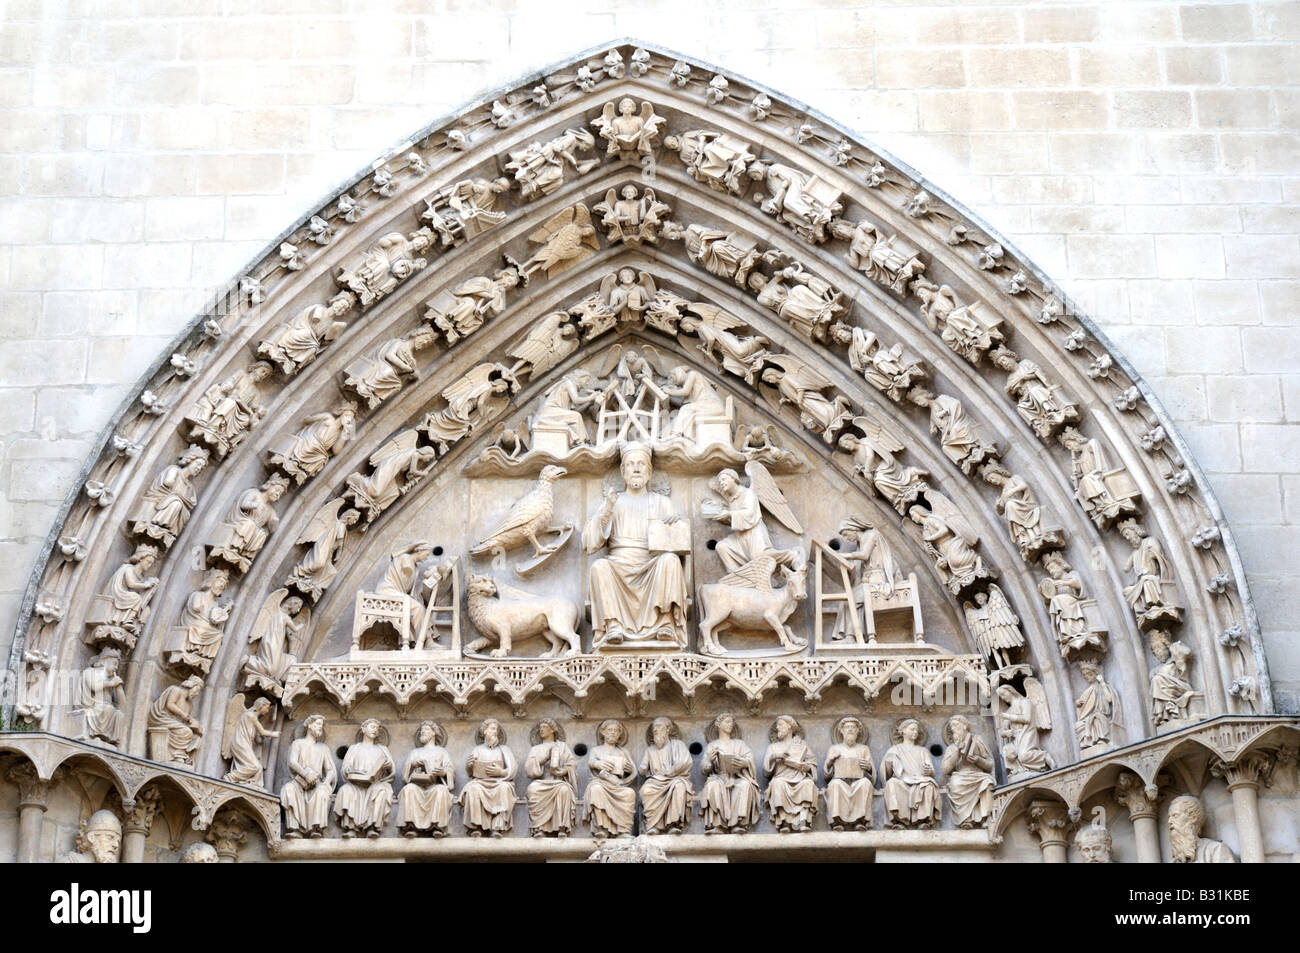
{"points": [[800, 384], [744, 597]]}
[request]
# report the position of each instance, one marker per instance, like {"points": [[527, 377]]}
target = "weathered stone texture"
{"points": [[1145, 155]]}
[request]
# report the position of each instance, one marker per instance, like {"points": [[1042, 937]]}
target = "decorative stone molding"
{"points": [[518, 680]]}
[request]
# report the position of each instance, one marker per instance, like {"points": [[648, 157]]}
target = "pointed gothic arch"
{"points": [[743, 203]]}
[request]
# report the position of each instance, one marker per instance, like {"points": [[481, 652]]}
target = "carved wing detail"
{"points": [[1038, 704], [878, 435], [771, 497], [266, 615], [234, 711], [322, 523], [404, 442]]}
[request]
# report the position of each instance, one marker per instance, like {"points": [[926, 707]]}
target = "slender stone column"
{"points": [[1141, 801], [1050, 822], [139, 820], [1244, 777], [32, 792]]}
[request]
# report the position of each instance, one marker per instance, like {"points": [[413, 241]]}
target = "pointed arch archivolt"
{"points": [[984, 273]]}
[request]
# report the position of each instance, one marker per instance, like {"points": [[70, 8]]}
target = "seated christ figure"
{"points": [[637, 596]]}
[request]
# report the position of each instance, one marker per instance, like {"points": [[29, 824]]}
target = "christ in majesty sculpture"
{"points": [[638, 590]]}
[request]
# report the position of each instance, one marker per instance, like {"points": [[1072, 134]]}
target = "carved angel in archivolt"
{"points": [[1022, 720], [628, 294], [244, 739], [567, 238], [549, 341], [324, 534], [225, 413], [628, 133], [995, 627], [281, 624], [631, 218], [950, 540], [295, 344], [958, 434], [873, 458], [475, 397], [460, 312], [883, 367], [740, 355], [800, 384], [396, 467], [321, 437]]}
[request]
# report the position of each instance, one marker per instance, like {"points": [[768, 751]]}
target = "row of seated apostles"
{"points": [[729, 802]]}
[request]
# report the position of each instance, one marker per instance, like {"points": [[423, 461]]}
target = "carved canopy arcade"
{"points": [[638, 392]]}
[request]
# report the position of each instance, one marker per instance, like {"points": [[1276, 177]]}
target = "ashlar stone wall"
{"points": [[1146, 155]]}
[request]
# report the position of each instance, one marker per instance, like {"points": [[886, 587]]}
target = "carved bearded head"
{"points": [[1093, 841], [102, 837], [636, 466], [1186, 818], [200, 852]]}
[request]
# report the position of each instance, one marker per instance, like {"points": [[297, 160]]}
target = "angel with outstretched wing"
{"points": [[628, 293], [277, 634], [802, 385], [1025, 717], [994, 625], [241, 743], [397, 466], [742, 508], [479, 394], [567, 238], [324, 534], [742, 356]]}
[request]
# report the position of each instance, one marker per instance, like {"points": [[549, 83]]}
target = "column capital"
{"points": [[1250, 770], [227, 833], [32, 788], [1140, 799], [141, 812], [1050, 822]]}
